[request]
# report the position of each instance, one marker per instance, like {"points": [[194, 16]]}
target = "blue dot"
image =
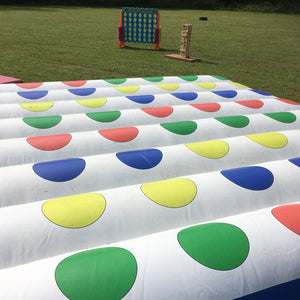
{"points": [[82, 92], [226, 94], [60, 170], [33, 95], [252, 177], [261, 93], [143, 99], [185, 96], [295, 161], [286, 290], [141, 159]]}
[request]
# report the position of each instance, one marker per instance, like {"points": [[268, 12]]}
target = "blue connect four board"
{"points": [[139, 24]]}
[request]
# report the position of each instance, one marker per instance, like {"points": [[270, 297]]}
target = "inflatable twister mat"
{"points": [[177, 187]]}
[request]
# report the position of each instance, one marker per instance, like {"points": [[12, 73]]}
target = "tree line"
{"points": [[271, 5]]}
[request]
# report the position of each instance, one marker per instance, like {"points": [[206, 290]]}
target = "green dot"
{"points": [[153, 79], [105, 116], [234, 121], [183, 128], [284, 117], [189, 78], [43, 122], [116, 80], [218, 246], [106, 273], [219, 77]]}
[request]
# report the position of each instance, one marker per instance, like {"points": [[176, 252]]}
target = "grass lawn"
{"points": [[260, 50]]}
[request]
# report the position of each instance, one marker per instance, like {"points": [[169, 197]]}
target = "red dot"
{"points": [[50, 142], [29, 85], [251, 103], [121, 135], [208, 107], [75, 83], [160, 112], [289, 216], [288, 101]]}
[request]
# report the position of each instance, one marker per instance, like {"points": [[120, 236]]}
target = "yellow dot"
{"points": [[37, 106], [172, 193], [206, 85], [238, 84], [210, 149], [92, 103], [75, 211], [127, 89], [273, 140], [168, 86]]}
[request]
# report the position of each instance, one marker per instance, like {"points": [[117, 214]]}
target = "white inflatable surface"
{"points": [[177, 187]]}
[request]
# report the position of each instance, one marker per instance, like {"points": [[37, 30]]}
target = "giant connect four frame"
{"points": [[139, 25], [177, 187]]}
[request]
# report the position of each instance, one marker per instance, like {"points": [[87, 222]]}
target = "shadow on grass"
{"points": [[137, 48], [140, 48], [207, 62], [198, 62]]}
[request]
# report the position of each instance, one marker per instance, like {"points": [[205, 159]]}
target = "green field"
{"points": [[260, 50]]}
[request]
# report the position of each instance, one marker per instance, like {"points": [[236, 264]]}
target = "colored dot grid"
{"points": [[218, 246], [156, 86], [114, 81], [145, 99], [210, 149], [96, 103], [82, 210], [180, 127], [169, 193]]}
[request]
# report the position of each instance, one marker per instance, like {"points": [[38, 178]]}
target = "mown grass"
{"points": [[260, 50]]}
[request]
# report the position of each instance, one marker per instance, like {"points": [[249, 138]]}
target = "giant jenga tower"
{"points": [[185, 45], [186, 40]]}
